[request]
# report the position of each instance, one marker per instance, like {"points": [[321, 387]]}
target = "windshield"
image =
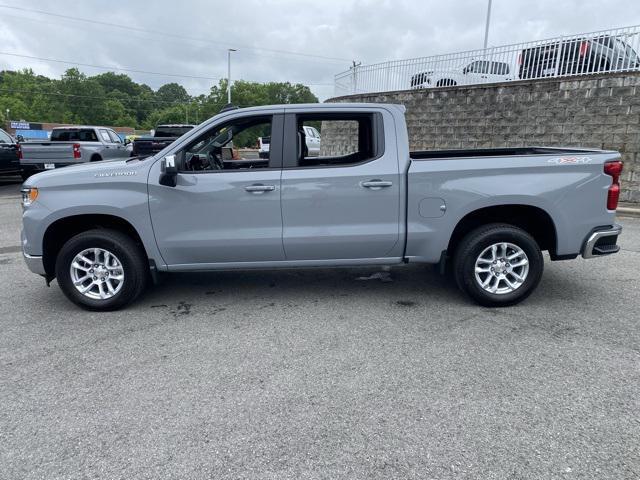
{"points": [[176, 131]]}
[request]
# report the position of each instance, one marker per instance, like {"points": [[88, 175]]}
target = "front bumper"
{"points": [[34, 263], [602, 242]]}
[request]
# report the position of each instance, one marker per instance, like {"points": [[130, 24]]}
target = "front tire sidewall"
{"points": [[124, 249], [465, 265]]}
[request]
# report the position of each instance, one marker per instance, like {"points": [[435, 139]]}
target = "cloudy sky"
{"points": [[285, 40]]}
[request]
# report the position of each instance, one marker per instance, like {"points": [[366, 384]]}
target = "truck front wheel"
{"points": [[498, 265], [101, 269]]}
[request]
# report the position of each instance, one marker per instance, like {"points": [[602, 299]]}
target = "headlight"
{"points": [[29, 196]]}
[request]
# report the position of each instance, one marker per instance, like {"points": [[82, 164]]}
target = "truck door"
{"points": [[344, 202], [225, 207], [119, 148], [109, 150]]}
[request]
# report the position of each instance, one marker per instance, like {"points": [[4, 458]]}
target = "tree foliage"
{"points": [[114, 99]]}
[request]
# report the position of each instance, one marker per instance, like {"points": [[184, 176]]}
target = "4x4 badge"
{"points": [[569, 160]]}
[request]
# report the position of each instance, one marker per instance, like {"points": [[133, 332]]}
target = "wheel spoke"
{"points": [[494, 252], [517, 277], [483, 269], [110, 287], [80, 281], [513, 286], [85, 259], [521, 263], [494, 284], [80, 267], [487, 280], [86, 288]]}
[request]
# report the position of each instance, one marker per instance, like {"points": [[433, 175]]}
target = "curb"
{"points": [[628, 212]]}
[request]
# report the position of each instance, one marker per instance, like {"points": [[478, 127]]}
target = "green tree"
{"points": [[114, 99]]}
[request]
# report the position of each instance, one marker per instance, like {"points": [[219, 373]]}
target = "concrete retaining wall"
{"points": [[599, 111]]}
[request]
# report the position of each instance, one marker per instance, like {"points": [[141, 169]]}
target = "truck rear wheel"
{"points": [[101, 269], [498, 265]]}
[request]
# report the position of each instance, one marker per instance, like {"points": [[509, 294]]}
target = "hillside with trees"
{"points": [[114, 99]]}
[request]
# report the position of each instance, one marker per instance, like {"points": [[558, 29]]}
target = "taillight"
{"points": [[614, 170], [19, 151], [584, 46], [76, 150]]}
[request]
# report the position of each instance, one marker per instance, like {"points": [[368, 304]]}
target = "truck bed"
{"points": [[495, 152]]}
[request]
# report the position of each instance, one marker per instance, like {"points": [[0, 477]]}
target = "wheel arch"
{"points": [[61, 230], [534, 220]]}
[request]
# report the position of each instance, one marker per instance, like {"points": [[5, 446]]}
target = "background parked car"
{"points": [[70, 146], [580, 55], [9, 160], [163, 135], [478, 71]]}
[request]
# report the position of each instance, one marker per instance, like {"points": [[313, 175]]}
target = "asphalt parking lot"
{"points": [[322, 374]]}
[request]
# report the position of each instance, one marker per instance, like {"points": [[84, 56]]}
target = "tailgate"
{"points": [[47, 151], [148, 146]]}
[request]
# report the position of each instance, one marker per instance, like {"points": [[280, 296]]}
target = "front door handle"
{"points": [[259, 188], [376, 184]]}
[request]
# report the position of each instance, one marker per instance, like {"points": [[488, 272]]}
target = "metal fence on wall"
{"points": [[580, 54]]}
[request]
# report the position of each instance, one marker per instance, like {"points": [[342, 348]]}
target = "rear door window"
{"points": [[74, 135]]}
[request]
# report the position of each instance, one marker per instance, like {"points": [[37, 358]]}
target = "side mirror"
{"points": [[20, 138], [169, 171], [127, 141]]}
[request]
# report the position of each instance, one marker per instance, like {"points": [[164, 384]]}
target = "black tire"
{"points": [[131, 255], [474, 243], [96, 158]]}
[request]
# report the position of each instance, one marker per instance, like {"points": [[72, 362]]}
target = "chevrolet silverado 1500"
{"points": [[70, 146], [105, 229]]}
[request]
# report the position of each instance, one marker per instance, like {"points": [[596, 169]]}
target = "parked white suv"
{"points": [[478, 71]]}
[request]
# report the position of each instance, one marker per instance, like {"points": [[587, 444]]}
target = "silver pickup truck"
{"points": [[69, 146], [105, 229]]}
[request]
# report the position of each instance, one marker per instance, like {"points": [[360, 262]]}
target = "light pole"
{"points": [[229, 50], [486, 28]]}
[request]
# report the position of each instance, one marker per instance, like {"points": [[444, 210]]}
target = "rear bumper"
{"points": [[602, 241], [39, 167]]}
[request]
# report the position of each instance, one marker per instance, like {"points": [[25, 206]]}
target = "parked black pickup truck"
{"points": [[164, 135], [9, 160]]}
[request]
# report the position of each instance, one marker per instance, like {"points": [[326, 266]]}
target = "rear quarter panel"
{"points": [[573, 194]]}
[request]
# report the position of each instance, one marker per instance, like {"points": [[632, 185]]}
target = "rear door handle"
{"points": [[376, 184], [259, 188]]}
